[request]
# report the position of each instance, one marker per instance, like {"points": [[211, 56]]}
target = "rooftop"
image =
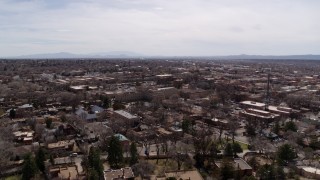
{"points": [[125, 114], [253, 103], [118, 173]]}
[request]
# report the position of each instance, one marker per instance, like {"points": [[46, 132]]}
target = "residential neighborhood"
{"points": [[159, 119]]}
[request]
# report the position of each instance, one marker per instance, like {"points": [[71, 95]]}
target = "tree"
{"points": [[285, 153], [143, 169], [105, 102], [228, 150], [93, 175], [117, 106], [236, 148], [95, 162], [290, 126], [63, 118], [276, 128], [29, 169], [271, 172], [186, 124], [266, 172], [12, 113], [226, 170], [134, 156], [115, 154], [251, 130], [40, 158], [48, 123]]}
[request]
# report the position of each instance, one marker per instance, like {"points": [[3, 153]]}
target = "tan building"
{"points": [[123, 173]]}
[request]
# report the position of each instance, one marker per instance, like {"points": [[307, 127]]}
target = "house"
{"points": [[65, 172], [24, 136], [84, 115], [96, 109], [125, 116], [123, 173], [123, 140], [240, 166], [61, 147]]}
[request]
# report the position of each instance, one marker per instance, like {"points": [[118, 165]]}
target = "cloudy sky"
{"points": [[160, 27]]}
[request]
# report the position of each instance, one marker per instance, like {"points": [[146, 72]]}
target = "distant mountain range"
{"points": [[294, 57], [67, 55], [128, 54]]}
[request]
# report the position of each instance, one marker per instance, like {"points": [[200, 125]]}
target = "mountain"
{"points": [[284, 57], [126, 54], [66, 55]]}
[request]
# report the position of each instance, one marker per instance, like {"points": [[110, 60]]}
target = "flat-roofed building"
{"points": [[61, 147], [252, 104], [258, 114], [125, 116], [117, 174], [240, 166]]}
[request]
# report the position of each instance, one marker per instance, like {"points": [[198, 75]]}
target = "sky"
{"points": [[160, 27]]}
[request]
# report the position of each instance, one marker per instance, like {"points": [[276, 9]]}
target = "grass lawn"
{"points": [[243, 146]]}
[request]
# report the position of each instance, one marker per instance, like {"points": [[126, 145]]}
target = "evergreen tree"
{"points": [[12, 113], [115, 153], [93, 175], [29, 169], [290, 126], [106, 102], [236, 148], [271, 172], [266, 172], [186, 124], [228, 150], [226, 170], [95, 162], [276, 128], [48, 123], [134, 156], [40, 158], [285, 153]]}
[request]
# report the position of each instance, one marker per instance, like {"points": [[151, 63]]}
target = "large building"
{"points": [[256, 110], [121, 115]]}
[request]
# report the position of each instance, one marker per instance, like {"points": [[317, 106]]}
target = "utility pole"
{"points": [[267, 99]]}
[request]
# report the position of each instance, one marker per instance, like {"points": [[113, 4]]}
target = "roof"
{"points": [[26, 106], [242, 164], [311, 170], [125, 114], [237, 163], [91, 116], [121, 137], [253, 103], [96, 109], [118, 173], [60, 144]]}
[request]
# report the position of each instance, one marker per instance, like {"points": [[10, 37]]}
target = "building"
{"points": [[123, 173], [252, 105], [240, 166], [125, 116], [61, 147], [257, 114], [125, 142]]}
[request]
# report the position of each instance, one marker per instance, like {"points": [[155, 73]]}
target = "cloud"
{"points": [[160, 27]]}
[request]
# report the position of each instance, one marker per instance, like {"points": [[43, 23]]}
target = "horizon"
{"points": [[157, 28]]}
